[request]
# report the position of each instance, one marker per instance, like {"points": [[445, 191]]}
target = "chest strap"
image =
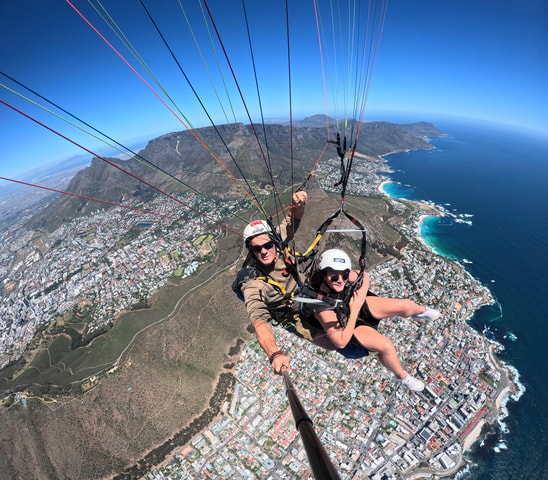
{"points": [[252, 273]]}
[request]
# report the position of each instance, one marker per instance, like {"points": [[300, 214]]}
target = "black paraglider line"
{"points": [[267, 162], [112, 164], [200, 100], [192, 132], [129, 207], [123, 149]]}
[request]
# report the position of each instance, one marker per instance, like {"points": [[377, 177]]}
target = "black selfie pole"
{"points": [[320, 463]]}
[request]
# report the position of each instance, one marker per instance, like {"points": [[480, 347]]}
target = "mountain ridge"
{"points": [[202, 158]]}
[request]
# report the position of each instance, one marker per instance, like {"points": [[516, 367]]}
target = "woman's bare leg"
{"points": [[375, 342], [381, 307]]}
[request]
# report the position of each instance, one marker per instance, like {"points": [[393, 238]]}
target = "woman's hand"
{"points": [[359, 295], [357, 300]]}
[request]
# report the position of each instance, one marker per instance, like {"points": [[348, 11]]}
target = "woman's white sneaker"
{"points": [[429, 314], [412, 383]]}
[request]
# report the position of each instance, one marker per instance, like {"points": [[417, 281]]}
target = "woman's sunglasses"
{"points": [[259, 248], [335, 276]]}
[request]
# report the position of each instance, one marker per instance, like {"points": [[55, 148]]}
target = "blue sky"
{"points": [[479, 60]]}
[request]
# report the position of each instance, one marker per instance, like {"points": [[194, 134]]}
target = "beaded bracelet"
{"points": [[274, 355]]}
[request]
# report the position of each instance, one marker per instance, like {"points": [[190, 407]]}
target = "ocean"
{"points": [[493, 180]]}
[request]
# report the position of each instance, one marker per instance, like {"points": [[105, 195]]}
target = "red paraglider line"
{"points": [[110, 163], [161, 100], [116, 204]]}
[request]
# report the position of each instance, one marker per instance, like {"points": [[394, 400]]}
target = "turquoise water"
{"points": [[492, 183]]}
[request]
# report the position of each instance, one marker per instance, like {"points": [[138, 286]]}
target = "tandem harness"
{"points": [[251, 273], [292, 318], [308, 295], [354, 349]]}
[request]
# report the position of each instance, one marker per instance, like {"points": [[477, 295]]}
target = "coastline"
{"points": [[500, 444], [436, 213], [381, 185], [488, 412], [500, 401], [509, 385]]}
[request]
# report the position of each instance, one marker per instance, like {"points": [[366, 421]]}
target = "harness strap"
{"points": [[361, 261], [312, 296], [277, 285]]}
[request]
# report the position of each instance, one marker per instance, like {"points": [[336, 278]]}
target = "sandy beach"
{"points": [[418, 235], [381, 186], [473, 435], [421, 219]]}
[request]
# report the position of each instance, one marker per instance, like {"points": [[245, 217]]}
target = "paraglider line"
{"points": [[125, 149], [223, 227], [198, 98], [244, 103], [109, 162], [162, 101]]}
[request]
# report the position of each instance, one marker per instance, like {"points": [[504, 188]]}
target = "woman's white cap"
{"points": [[334, 259]]}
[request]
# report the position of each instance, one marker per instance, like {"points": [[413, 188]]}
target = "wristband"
{"points": [[274, 355]]}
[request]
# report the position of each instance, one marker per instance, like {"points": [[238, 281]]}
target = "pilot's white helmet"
{"points": [[257, 227]]}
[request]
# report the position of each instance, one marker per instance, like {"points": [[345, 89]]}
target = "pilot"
{"points": [[268, 279]]}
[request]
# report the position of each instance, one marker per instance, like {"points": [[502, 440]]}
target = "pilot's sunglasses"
{"points": [[259, 248], [336, 276]]}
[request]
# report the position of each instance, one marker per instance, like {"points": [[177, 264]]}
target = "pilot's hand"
{"points": [[299, 198], [280, 364]]}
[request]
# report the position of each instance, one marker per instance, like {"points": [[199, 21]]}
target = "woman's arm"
{"points": [[339, 336]]}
